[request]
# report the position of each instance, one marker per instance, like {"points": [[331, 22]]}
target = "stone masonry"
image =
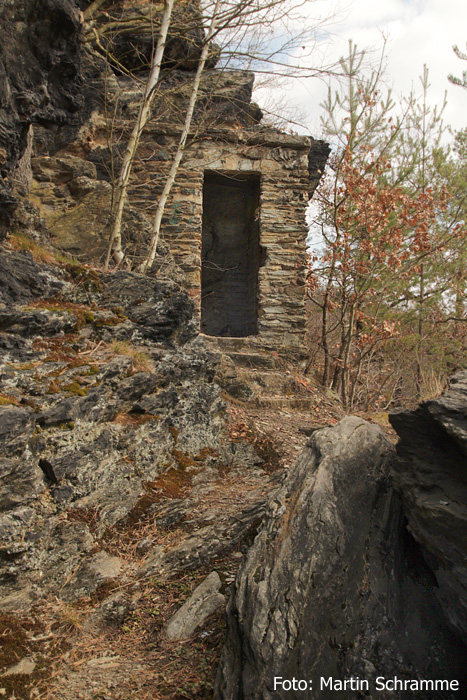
{"points": [[280, 163]]}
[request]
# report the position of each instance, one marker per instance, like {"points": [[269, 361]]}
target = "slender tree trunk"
{"points": [[346, 367], [181, 145], [115, 240], [336, 383], [355, 382], [421, 330], [325, 315], [337, 377], [324, 338], [460, 282]]}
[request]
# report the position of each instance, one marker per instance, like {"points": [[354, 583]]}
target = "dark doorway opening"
{"points": [[230, 254]]}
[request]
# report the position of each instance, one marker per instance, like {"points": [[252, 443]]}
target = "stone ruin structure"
{"points": [[235, 224], [234, 229]]}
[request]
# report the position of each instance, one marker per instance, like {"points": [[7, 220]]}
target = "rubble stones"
{"points": [[204, 600]]}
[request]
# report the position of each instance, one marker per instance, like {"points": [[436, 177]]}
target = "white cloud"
{"points": [[419, 32]]}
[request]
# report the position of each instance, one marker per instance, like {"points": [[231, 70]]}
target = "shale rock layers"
{"points": [[337, 584]]}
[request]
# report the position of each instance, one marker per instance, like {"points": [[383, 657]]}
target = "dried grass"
{"points": [[134, 419], [20, 241], [7, 400], [147, 665], [40, 252], [140, 360]]}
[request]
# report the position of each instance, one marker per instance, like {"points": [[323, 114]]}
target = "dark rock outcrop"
{"points": [[40, 79], [336, 586], [431, 476], [317, 157], [86, 433], [22, 279]]}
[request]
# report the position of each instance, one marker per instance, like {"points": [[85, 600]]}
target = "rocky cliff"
{"points": [[107, 404], [119, 473], [40, 83]]}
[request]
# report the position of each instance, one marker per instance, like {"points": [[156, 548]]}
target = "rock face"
{"points": [[431, 476], [40, 79], [335, 585], [133, 47], [107, 404], [22, 279]]}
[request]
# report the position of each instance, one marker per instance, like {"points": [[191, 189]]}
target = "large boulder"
{"points": [[335, 592]]}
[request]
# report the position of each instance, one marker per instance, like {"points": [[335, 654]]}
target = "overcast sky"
{"points": [[419, 32]]}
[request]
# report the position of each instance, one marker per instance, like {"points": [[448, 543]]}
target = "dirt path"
{"points": [[114, 646]]}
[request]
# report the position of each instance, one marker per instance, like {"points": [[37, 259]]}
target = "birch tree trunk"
{"points": [[114, 249], [181, 145]]}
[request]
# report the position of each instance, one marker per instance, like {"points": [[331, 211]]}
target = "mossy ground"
{"points": [[83, 314]]}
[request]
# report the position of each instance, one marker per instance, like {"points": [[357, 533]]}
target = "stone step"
{"points": [[225, 344], [239, 352], [248, 345], [271, 384], [253, 360], [292, 403], [264, 378], [272, 381]]}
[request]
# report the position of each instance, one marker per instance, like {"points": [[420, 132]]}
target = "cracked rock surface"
{"points": [[336, 584], [92, 442]]}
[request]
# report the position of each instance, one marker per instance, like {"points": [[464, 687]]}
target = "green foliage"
{"points": [[391, 218], [76, 389], [462, 82]]}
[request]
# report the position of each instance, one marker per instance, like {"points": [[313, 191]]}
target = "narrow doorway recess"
{"points": [[230, 254]]}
